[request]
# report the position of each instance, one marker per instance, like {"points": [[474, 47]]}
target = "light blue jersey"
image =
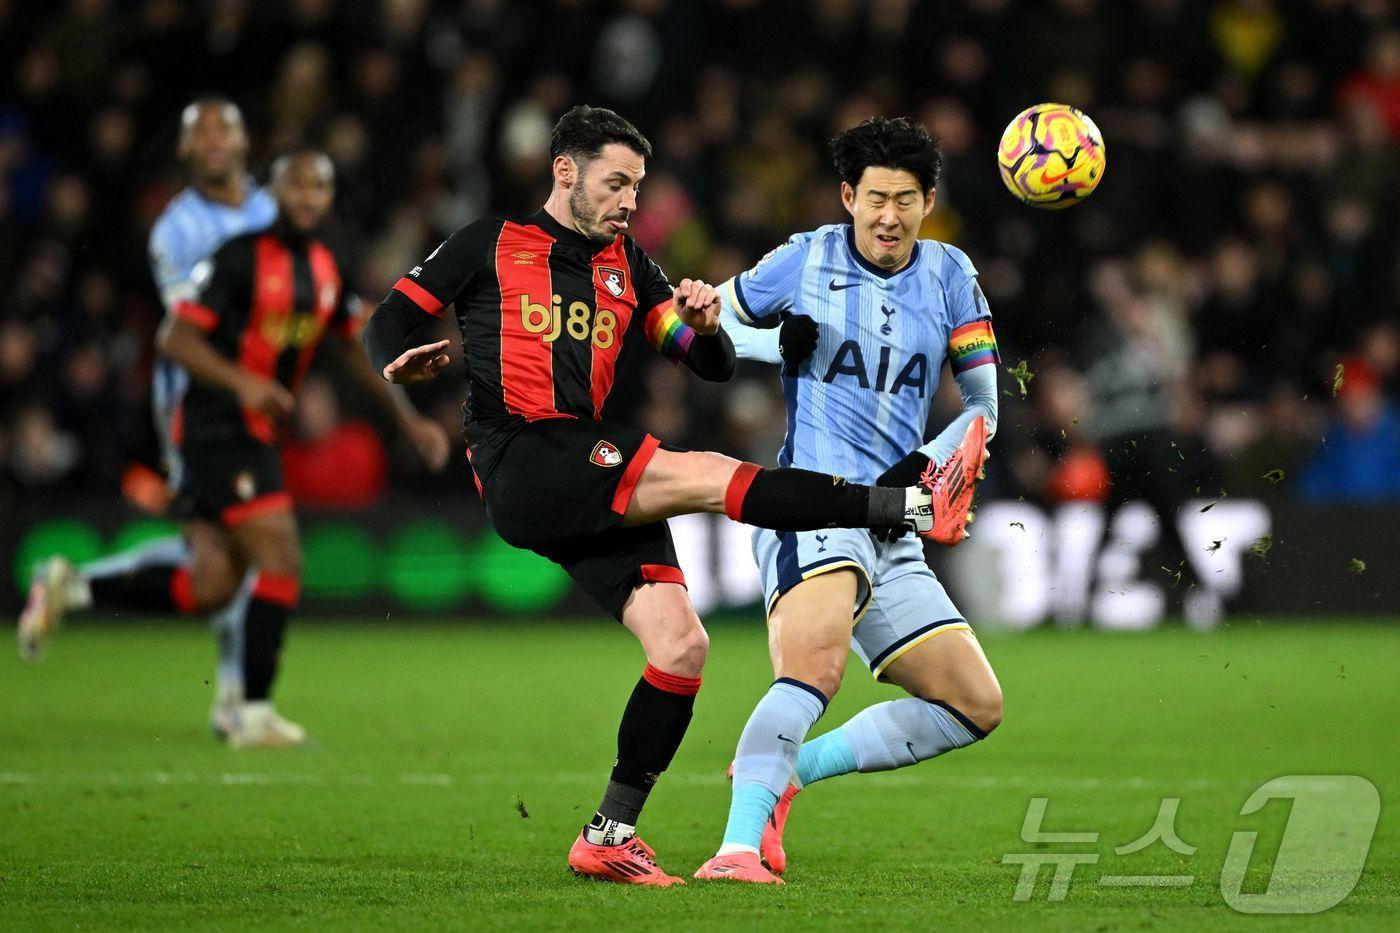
{"points": [[861, 402], [190, 230]]}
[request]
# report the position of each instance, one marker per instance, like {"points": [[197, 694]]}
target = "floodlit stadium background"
{"points": [[1243, 245]]}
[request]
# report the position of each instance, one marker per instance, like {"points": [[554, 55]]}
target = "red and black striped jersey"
{"points": [[544, 314], [264, 301]]}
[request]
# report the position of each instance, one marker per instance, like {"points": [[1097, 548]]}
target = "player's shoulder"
{"points": [[949, 264], [164, 232], [238, 249]]}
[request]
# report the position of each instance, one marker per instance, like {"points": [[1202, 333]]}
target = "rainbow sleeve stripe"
{"points": [[972, 345], [665, 331]]}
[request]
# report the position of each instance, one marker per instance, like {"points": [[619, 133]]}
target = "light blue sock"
{"points": [[767, 753], [886, 736]]}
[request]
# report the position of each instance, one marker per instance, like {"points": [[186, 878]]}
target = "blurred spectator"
{"points": [[331, 463], [1359, 460]]}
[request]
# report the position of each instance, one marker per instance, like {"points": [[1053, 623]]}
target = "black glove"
{"points": [[797, 340], [904, 473]]}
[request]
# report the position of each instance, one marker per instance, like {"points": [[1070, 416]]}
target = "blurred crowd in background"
{"points": [[1230, 290]]}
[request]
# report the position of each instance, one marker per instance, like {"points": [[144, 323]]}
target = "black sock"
{"points": [[151, 588], [801, 500], [263, 629], [652, 727]]}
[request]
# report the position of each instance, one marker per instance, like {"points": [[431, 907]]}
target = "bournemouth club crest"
{"points": [[606, 454], [613, 279]]}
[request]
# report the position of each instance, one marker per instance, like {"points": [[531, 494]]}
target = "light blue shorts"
{"points": [[899, 601]]}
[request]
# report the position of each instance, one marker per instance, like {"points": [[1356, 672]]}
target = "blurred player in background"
{"points": [[245, 332], [222, 201], [888, 308], [545, 303]]}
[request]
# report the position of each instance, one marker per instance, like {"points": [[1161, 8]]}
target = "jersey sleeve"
{"points": [[436, 282], [972, 342], [751, 342], [219, 287], [168, 268], [770, 287]]}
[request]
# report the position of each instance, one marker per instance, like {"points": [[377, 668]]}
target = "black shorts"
{"points": [[230, 481], [561, 487]]}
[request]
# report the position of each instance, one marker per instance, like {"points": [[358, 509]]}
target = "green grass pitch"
{"points": [[436, 741]]}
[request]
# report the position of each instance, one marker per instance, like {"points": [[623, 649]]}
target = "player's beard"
{"points": [[586, 218]]}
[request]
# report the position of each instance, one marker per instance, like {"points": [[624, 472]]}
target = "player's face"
{"points": [[214, 144], [606, 194], [887, 208], [304, 192]]}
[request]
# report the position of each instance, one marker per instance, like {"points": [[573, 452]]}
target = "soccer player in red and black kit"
{"points": [[246, 336], [545, 303]]}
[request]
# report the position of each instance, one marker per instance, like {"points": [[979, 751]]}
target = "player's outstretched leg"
{"points": [[161, 577], [653, 724], [679, 483], [899, 733]]}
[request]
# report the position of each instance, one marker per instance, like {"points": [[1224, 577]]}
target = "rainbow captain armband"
{"points": [[665, 331], [972, 345]]}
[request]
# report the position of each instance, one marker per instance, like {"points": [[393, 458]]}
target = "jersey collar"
{"points": [[869, 266], [546, 222]]}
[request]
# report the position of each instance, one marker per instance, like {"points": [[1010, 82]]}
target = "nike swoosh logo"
{"points": [[836, 288], [911, 751], [783, 738], [1047, 179]]}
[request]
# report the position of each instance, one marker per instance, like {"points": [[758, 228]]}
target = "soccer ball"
{"points": [[1051, 156]]}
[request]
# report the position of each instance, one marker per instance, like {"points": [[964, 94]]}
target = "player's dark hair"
{"points": [[584, 131], [887, 142]]}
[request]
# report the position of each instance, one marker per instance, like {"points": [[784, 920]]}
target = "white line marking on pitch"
{"points": [[928, 779]]}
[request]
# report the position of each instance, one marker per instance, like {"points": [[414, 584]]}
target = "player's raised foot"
{"points": [[737, 866], [43, 612], [771, 848], [630, 862], [258, 725], [951, 485]]}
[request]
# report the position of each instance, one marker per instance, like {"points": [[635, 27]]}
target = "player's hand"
{"points": [[430, 440], [266, 396], [697, 305], [797, 340], [419, 364]]}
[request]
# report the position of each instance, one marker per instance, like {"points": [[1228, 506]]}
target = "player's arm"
{"points": [[220, 284], [417, 298], [974, 358], [682, 323], [426, 435], [169, 273], [756, 309]]}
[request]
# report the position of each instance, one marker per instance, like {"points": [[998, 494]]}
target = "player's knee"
{"points": [[822, 668], [709, 474], [981, 703], [213, 579], [685, 649]]}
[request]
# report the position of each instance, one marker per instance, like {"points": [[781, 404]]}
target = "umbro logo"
{"points": [[836, 288]]}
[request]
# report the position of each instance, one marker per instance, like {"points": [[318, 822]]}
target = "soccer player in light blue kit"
{"points": [[222, 202], [888, 308]]}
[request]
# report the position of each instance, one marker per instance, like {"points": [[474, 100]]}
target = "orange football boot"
{"points": [[631, 862], [951, 486], [737, 866], [771, 848]]}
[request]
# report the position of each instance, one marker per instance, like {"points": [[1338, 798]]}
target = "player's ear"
{"points": [[848, 198], [566, 173], [928, 202]]}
